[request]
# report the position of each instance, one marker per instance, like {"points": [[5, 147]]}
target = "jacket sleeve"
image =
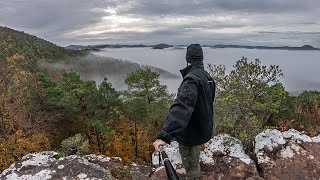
{"points": [[181, 110]]}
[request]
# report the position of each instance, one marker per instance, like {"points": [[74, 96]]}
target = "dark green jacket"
{"points": [[190, 118]]}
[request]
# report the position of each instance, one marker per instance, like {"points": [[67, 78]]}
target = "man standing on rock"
{"points": [[190, 118]]}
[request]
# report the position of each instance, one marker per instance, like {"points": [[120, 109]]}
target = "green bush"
{"points": [[75, 145], [246, 98]]}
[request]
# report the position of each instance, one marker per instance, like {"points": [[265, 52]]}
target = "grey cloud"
{"points": [[309, 23], [269, 6], [220, 6], [51, 20], [288, 32]]}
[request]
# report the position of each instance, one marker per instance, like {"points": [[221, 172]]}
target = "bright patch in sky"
{"points": [[273, 22]]}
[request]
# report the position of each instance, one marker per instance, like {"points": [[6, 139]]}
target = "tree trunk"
{"points": [[99, 142], [136, 137]]}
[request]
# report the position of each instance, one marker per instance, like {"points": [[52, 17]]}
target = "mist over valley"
{"points": [[96, 67], [300, 68]]}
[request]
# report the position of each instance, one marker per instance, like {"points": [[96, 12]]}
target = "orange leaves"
{"points": [[123, 139], [284, 125], [13, 147], [15, 58], [16, 87], [121, 145], [303, 119]]}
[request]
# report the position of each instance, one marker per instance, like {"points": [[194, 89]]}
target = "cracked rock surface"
{"points": [[279, 155], [222, 158], [46, 165], [287, 155]]}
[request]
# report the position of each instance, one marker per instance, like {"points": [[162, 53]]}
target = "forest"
{"points": [[60, 111]]}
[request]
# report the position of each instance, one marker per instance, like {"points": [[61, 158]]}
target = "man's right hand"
{"points": [[157, 144]]}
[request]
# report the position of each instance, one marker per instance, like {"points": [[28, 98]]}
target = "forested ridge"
{"points": [[12, 42], [62, 112], [42, 110]]}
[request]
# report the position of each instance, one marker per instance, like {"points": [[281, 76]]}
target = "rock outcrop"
{"points": [[46, 165], [172, 151], [287, 155], [222, 158], [279, 155]]}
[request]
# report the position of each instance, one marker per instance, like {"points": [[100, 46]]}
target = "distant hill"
{"points": [[102, 46], [305, 47], [13, 41], [163, 46], [97, 47], [76, 57]]}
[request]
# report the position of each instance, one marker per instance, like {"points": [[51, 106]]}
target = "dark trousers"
{"points": [[190, 160]]}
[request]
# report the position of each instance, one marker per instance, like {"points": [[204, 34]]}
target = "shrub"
{"points": [[246, 98], [75, 145]]}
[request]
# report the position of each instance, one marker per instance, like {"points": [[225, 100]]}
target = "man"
{"points": [[190, 118]]}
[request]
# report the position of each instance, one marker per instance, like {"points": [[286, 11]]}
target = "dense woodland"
{"points": [[62, 112]]}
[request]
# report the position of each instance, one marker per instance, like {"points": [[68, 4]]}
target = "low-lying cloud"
{"points": [[94, 67]]}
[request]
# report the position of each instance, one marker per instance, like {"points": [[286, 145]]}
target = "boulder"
{"points": [[279, 155], [141, 172], [47, 165], [172, 151], [222, 158], [287, 155]]}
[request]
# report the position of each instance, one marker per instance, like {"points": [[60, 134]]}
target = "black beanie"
{"points": [[194, 53]]}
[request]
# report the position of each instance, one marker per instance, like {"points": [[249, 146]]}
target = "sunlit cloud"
{"points": [[274, 22]]}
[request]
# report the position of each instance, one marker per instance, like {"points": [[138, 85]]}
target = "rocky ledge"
{"points": [[287, 155], [47, 165], [279, 155]]}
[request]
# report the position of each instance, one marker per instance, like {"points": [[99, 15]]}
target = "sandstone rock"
{"points": [[141, 172], [287, 155], [46, 165], [222, 158], [159, 174], [172, 151], [280, 155]]}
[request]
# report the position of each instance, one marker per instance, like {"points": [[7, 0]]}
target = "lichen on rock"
{"points": [[280, 155], [225, 145], [287, 155]]}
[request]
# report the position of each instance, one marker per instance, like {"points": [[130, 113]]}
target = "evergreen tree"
{"points": [[146, 100], [246, 98]]}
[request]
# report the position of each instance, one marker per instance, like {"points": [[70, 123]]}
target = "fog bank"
{"points": [[95, 67]]}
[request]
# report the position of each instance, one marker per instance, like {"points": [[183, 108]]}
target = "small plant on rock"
{"points": [[75, 145]]}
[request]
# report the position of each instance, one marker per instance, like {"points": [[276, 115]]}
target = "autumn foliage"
{"points": [[14, 146], [301, 112], [18, 133], [38, 112], [121, 142]]}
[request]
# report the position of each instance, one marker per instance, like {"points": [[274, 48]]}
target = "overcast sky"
{"points": [[243, 22]]}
